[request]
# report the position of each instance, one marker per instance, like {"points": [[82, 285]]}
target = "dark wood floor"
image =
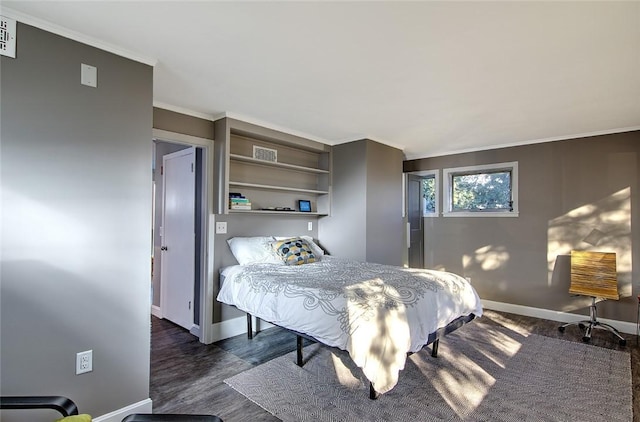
{"points": [[188, 376]]}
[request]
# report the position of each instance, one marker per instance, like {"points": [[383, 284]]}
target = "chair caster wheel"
{"points": [[586, 339], [622, 342], [561, 329]]}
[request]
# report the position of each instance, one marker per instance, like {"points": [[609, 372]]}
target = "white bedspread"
{"points": [[376, 312]]}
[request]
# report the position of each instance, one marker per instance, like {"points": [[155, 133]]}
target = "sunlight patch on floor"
{"points": [[464, 388]]}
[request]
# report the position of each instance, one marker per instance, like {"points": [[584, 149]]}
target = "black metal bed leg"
{"points": [[373, 394], [299, 350], [249, 327], [434, 348]]}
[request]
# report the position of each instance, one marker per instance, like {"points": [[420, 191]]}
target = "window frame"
{"points": [[449, 173], [436, 176]]}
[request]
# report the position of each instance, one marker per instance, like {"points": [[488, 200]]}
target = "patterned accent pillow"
{"points": [[294, 251]]}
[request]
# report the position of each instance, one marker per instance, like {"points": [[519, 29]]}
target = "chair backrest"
{"points": [[594, 274]]}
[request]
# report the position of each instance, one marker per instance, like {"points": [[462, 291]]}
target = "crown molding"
{"points": [[76, 36], [531, 142], [257, 122], [186, 111]]}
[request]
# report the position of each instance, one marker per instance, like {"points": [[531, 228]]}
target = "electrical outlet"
{"points": [[221, 227], [84, 362]]}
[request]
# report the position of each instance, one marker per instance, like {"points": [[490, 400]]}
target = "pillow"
{"points": [[294, 251], [250, 250], [317, 250]]}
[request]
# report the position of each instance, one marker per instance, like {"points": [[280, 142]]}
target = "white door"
{"points": [[177, 278]]}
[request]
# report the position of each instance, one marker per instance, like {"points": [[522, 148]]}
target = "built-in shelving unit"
{"points": [[236, 157], [300, 169]]}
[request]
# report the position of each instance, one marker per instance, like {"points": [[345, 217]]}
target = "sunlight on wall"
{"points": [[379, 331], [36, 231], [603, 226], [487, 258], [491, 257]]}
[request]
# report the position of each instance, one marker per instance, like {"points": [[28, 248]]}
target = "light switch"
{"points": [[310, 225], [221, 227], [88, 75]]}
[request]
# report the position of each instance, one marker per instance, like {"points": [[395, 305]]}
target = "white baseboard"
{"points": [[195, 330], [156, 311], [144, 406], [622, 326], [236, 326]]}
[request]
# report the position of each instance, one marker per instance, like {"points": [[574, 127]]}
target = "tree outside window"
{"points": [[482, 192], [485, 190], [429, 194]]}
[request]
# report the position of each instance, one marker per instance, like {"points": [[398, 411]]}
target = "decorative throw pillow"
{"points": [[317, 250], [294, 251]]}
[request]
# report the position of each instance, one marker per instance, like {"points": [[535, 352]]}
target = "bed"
{"points": [[378, 313]]}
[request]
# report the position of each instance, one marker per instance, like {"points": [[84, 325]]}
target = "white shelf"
{"points": [[251, 160], [270, 212], [303, 171], [278, 188]]}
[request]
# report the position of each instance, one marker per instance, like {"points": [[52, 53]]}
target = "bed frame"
{"points": [[434, 341]]}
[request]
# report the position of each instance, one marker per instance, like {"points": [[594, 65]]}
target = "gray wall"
{"points": [[366, 212], [76, 198], [385, 229], [344, 232], [566, 190], [182, 123]]}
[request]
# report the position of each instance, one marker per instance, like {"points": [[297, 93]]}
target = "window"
{"points": [[429, 191], [488, 190], [429, 195]]}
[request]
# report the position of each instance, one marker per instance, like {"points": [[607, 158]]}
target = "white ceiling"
{"points": [[429, 77]]}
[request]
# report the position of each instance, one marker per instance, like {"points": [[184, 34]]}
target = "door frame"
{"points": [[207, 275], [421, 174]]}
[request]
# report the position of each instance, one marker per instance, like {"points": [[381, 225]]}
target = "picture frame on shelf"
{"points": [[304, 205]]}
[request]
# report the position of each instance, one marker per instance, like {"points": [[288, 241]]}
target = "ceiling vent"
{"points": [[7, 37]]}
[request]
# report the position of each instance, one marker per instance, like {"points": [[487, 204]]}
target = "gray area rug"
{"points": [[483, 373]]}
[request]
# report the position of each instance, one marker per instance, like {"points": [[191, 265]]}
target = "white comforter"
{"points": [[376, 312]]}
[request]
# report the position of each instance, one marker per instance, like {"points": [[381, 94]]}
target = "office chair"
{"points": [[62, 405], [66, 407], [594, 274]]}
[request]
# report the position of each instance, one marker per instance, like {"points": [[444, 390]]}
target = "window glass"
{"points": [[482, 192], [429, 194], [487, 190]]}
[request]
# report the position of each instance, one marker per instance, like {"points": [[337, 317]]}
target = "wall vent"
{"points": [[7, 37], [265, 154]]}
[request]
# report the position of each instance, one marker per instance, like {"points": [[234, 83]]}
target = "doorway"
{"points": [[414, 219], [423, 189], [198, 315]]}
